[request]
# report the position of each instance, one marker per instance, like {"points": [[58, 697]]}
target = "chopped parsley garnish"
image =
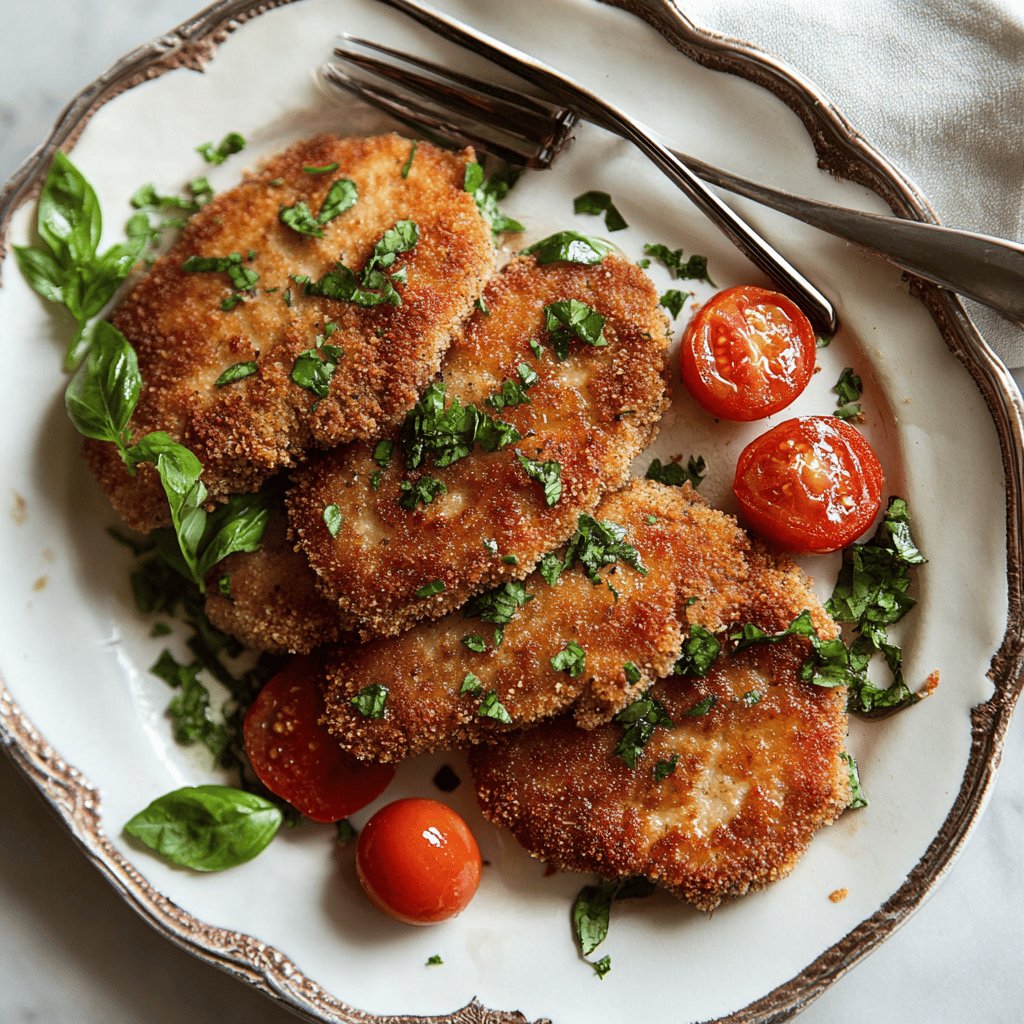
{"points": [[702, 707], [420, 492], [499, 605], [231, 143], [571, 659], [663, 769], [471, 684], [407, 166], [693, 269], [382, 453], [243, 278], [491, 707], [237, 372], [871, 593], [449, 434], [489, 193], [341, 196], [333, 519], [591, 912], [314, 368], [849, 388], [473, 177], [474, 642], [535, 348], [435, 959], [573, 319], [322, 168], [482, 306], [598, 203], [510, 559], [595, 544], [547, 474], [698, 653], [189, 710], [857, 797], [513, 392], [224, 587], [633, 675], [568, 247], [375, 285], [673, 301], [639, 720], [752, 697], [371, 701], [675, 474], [430, 589]]}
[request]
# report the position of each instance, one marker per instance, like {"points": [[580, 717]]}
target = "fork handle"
{"points": [[819, 310]]}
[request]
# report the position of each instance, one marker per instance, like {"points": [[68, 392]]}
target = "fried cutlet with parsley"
{"points": [[722, 801], [417, 541], [188, 328]]}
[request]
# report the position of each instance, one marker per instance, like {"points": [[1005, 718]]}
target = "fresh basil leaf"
{"points": [[430, 589], [499, 605], [471, 684], [591, 912], [314, 368], [41, 271], [343, 285], [513, 392], [598, 543], [473, 177], [333, 519], [547, 474], [321, 168], [382, 453], [857, 797], [434, 960], [491, 192], [347, 833], [698, 653], [189, 711], [491, 707], [235, 373], [598, 203], [102, 395], [231, 143], [702, 707], [474, 642], [570, 319], [673, 301], [299, 217], [407, 166], [675, 474], [568, 247], [235, 526], [551, 567], [371, 701], [752, 697], [633, 674], [206, 828], [571, 659], [694, 268], [639, 720], [68, 217]]}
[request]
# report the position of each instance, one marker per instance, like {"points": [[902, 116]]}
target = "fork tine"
{"points": [[440, 129]]}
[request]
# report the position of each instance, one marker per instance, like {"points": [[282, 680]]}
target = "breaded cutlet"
{"points": [[748, 782], [591, 413], [245, 431], [698, 566]]}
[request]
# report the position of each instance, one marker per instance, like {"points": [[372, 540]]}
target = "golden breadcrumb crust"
{"points": [[689, 551], [751, 784], [246, 431], [592, 413]]}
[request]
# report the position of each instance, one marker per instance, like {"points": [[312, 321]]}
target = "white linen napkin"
{"points": [[936, 87]]}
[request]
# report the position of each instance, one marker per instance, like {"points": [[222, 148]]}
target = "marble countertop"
{"points": [[72, 950]]}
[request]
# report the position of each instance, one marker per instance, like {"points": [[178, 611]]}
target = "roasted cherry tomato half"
{"points": [[747, 353], [418, 861], [297, 759], [810, 484]]}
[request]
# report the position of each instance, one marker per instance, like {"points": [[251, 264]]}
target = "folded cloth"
{"points": [[937, 86]]}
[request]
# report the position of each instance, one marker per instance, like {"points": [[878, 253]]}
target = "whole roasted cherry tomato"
{"points": [[297, 759], [418, 861], [810, 484], [747, 353]]}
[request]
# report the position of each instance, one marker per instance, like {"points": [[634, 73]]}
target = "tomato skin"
{"points": [[747, 353], [418, 861], [297, 759], [811, 484]]}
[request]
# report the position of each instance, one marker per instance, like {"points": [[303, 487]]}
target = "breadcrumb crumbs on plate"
{"points": [[838, 895]]}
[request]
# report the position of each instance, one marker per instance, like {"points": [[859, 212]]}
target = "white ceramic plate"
{"points": [[74, 652]]}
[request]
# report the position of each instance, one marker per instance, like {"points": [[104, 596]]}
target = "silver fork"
{"points": [[458, 108], [576, 97]]}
